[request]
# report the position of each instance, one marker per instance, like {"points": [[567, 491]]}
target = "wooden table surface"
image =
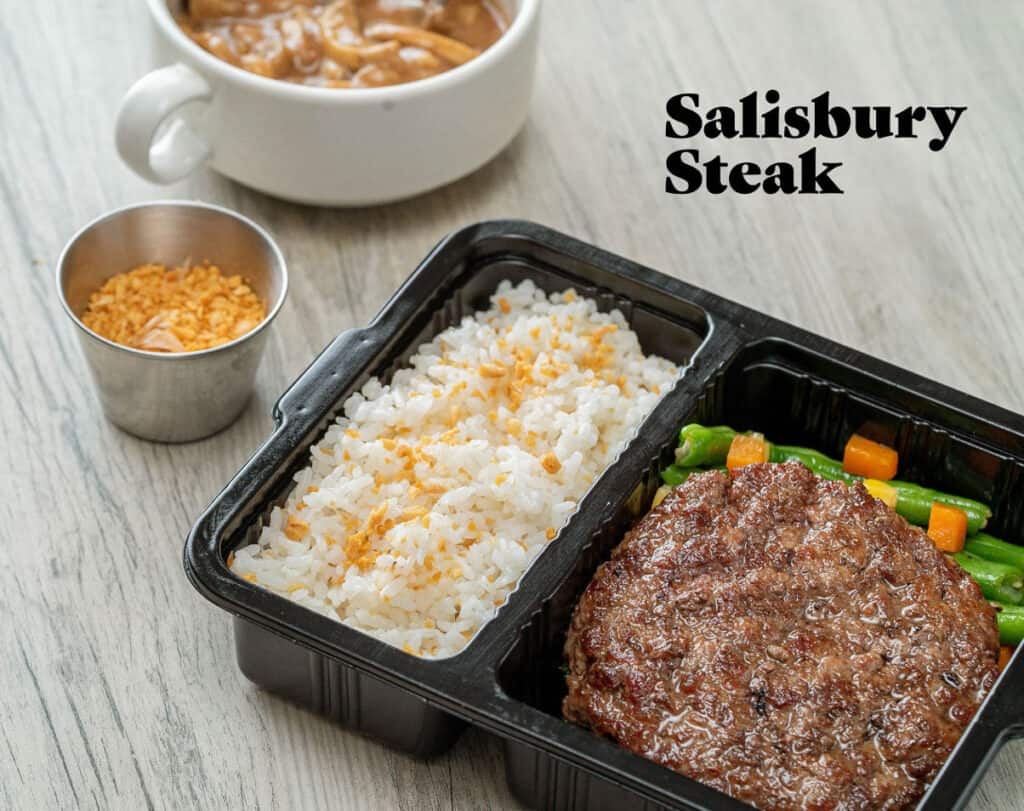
{"points": [[118, 687]]}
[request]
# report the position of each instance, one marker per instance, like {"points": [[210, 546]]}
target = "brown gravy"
{"points": [[345, 43]]}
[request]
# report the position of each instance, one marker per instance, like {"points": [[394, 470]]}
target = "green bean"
{"points": [[915, 504], [817, 462], [997, 580], [985, 546], [700, 446], [675, 475], [1011, 625]]}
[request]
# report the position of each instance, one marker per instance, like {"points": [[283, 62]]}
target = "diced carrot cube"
{"points": [[947, 527], [747, 449], [871, 460]]}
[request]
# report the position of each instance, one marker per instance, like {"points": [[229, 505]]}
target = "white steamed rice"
{"points": [[425, 503]]}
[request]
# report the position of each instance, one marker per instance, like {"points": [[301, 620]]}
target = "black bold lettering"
{"points": [[738, 178], [905, 119], [779, 178], [721, 122], [797, 123], [946, 119], [680, 113], [714, 170], [770, 117], [829, 121], [814, 182], [680, 169], [872, 122], [748, 115]]}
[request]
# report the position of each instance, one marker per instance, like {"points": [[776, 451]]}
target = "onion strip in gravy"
{"points": [[345, 43]]}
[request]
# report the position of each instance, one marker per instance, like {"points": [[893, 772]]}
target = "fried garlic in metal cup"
{"points": [[173, 301]]}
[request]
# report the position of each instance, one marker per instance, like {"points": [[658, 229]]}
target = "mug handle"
{"points": [[177, 151]]}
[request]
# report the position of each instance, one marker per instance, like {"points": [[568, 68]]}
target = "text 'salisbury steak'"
{"points": [[787, 640]]}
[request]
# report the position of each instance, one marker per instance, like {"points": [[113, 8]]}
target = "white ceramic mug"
{"points": [[323, 146]]}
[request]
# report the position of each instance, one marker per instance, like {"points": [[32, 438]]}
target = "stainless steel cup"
{"points": [[159, 396]]}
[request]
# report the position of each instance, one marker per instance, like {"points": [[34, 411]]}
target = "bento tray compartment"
{"points": [[342, 694], [545, 782], [794, 395], [454, 282]]}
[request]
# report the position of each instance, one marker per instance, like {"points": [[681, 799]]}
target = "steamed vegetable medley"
{"points": [[954, 523]]}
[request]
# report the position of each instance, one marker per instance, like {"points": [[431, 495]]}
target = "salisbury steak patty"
{"points": [[787, 640]]}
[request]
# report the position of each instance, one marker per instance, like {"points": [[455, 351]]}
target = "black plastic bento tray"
{"points": [[744, 368]]}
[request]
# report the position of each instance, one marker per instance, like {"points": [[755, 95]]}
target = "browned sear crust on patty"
{"points": [[787, 640]]}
